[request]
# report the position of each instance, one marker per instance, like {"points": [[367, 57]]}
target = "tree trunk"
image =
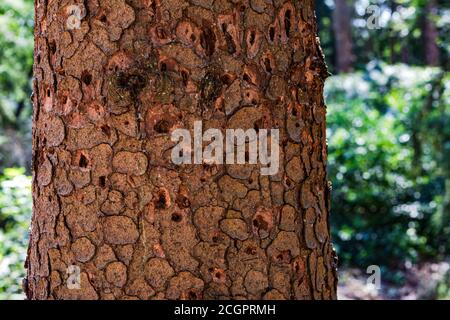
{"points": [[431, 34], [343, 36], [108, 198]]}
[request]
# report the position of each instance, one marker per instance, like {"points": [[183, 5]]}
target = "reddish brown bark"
{"points": [[107, 197]]}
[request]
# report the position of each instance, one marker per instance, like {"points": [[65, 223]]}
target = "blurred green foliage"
{"points": [[15, 215], [388, 169], [399, 38], [16, 60]]}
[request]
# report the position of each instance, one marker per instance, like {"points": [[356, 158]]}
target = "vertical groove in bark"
{"points": [[107, 197]]}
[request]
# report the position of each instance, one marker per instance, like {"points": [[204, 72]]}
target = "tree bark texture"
{"points": [[343, 36], [107, 197]]}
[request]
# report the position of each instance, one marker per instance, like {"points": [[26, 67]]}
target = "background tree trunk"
{"points": [[343, 36], [107, 197], [431, 34]]}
